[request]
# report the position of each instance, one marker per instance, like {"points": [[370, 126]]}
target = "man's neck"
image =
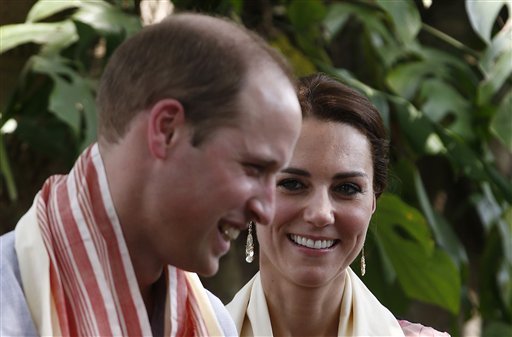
{"points": [[155, 306]]}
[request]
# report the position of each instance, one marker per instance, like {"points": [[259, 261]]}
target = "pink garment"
{"points": [[418, 330]]}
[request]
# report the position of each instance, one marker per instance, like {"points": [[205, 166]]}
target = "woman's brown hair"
{"points": [[324, 98]]}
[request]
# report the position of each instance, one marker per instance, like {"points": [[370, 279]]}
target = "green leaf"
{"points": [[386, 265], [6, 172], [88, 108], [505, 229], [371, 18], [67, 101], [107, 19], [482, 15], [464, 159], [461, 155], [500, 44], [306, 14], [497, 329], [487, 207], [306, 17], [405, 79], [380, 276], [424, 272], [451, 69], [493, 214], [334, 20], [418, 130], [376, 97], [45, 8], [499, 181], [375, 28], [393, 215], [495, 282], [301, 64], [405, 16], [87, 41], [441, 100], [237, 6], [501, 124], [60, 33], [381, 103], [71, 96], [498, 74], [444, 234]]}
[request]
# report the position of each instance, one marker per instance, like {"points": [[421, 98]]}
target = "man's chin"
{"points": [[209, 270]]}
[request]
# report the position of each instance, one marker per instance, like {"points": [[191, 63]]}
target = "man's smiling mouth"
{"points": [[229, 232]]}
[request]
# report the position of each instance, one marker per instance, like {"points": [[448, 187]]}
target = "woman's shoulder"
{"points": [[418, 330]]}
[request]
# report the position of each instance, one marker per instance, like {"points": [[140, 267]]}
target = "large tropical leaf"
{"points": [[424, 272], [440, 101], [501, 124], [444, 234], [43, 9], [405, 16], [71, 99], [482, 15], [499, 72], [107, 19], [59, 34]]}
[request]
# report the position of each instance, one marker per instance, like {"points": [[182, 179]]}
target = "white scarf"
{"points": [[361, 313]]}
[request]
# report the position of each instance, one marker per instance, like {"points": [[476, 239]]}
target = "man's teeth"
{"points": [[315, 244], [230, 232]]}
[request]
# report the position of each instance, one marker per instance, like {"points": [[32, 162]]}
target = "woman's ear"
{"points": [[166, 118], [374, 206]]}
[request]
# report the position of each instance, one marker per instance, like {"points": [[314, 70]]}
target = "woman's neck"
{"points": [[303, 311]]}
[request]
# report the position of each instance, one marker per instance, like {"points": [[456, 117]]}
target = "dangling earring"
{"points": [[363, 263], [249, 245]]}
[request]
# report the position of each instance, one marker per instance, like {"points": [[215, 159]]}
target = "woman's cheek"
{"points": [[354, 221], [286, 210]]}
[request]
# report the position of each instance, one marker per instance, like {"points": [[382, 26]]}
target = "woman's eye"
{"points": [[291, 184], [347, 189]]}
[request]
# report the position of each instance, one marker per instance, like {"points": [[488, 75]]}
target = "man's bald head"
{"points": [[201, 61]]}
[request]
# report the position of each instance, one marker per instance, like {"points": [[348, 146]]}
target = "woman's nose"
{"points": [[319, 210]]}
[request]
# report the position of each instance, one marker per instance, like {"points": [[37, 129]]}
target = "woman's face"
{"points": [[324, 203]]}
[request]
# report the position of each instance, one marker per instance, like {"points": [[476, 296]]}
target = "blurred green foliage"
{"points": [[447, 106]]}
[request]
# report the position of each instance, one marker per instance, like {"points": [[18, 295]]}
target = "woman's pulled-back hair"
{"points": [[324, 98], [199, 60]]}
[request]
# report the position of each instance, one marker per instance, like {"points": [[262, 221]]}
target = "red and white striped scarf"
{"points": [[76, 269]]}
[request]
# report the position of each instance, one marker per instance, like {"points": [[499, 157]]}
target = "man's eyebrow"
{"points": [[265, 163], [271, 163]]}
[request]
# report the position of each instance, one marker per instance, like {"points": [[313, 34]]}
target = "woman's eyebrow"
{"points": [[296, 171], [341, 175], [350, 174]]}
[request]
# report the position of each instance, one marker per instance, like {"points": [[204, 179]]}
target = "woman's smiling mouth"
{"points": [[310, 243]]}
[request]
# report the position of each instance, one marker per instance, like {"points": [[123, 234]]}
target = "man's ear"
{"points": [[164, 122]]}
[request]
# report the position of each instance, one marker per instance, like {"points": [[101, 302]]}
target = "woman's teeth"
{"points": [[229, 232], [314, 244]]}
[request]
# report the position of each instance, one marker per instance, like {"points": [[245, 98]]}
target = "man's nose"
{"points": [[262, 206]]}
